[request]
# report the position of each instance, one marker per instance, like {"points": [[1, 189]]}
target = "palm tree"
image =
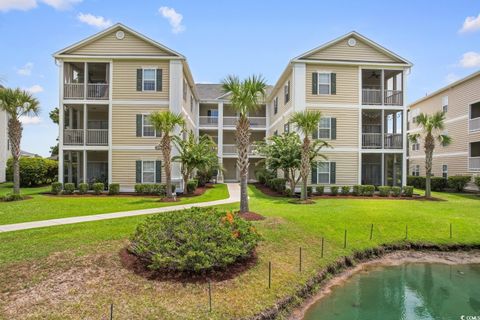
{"points": [[17, 103], [245, 97], [165, 123], [306, 122], [431, 127]]}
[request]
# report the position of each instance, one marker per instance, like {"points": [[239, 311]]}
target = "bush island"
{"points": [[408, 191], [309, 191], [113, 189], [98, 188], [288, 192], [345, 190], [458, 183], [384, 191], [83, 188], [437, 183], [334, 190], [33, 171], [191, 186], [320, 190], [195, 240], [69, 188], [416, 182], [278, 184], [396, 191], [368, 190], [357, 190], [11, 197], [56, 188]]}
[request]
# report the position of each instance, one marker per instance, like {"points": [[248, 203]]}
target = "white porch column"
{"points": [[60, 125], [297, 87], [110, 117], [85, 177], [176, 102], [85, 123], [220, 139], [404, 132]]}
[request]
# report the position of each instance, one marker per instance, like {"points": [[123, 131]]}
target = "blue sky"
{"points": [[441, 38]]}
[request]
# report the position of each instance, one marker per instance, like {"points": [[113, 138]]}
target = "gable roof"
{"points": [[117, 26], [305, 56], [214, 91]]}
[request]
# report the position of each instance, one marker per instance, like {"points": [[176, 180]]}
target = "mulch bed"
{"points": [[136, 265], [251, 216], [24, 198], [266, 190]]}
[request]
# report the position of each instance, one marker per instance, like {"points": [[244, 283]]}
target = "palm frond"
{"points": [[413, 137], [306, 121], [17, 103], [444, 139]]}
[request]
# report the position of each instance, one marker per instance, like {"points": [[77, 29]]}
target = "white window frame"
{"points": [[416, 170], [191, 103], [328, 169], [143, 127], [445, 171], [154, 170], [445, 104], [154, 79], [323, 84], [287, 127], [275, 105], [415, 146], [185, 90], [286, 92], [324, 128]]}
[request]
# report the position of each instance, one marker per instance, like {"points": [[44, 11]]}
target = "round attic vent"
{"points": [[352, 42], [120, 35]]}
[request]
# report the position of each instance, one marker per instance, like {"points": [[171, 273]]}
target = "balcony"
{"points": [[474, 163], [208, 121], [474, 124], [76, 137], [371, 140], [393, 141], [78, 87], [231, 150], [85, 125], [382, 87], [255, 122], [382, 129]]}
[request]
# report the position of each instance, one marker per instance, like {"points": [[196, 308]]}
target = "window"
{"points": [[148, 171], [325, 128], [445, 171], [445, 104], [191, 103], [416, 170], [324, 83], [275, 133], [323, 172], [286, 127], [414, 119], [149, 79], [275, 105], [184, 90], [287, 91], [415, 146], [147, 128]]}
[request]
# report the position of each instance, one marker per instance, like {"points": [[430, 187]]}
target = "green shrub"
{"points": [[416, 182], [98, 188], [320, 190], [368, 190], [33, 171], [309, 191], [139, 188], [396, 191], [408, 191], [56, 188], [278, 184], [149, 188], [205, 176], [191, 186], [195, 240], [384, 191], [69, 188], [357, 190], [288, 192], [158, 189], [113, 189], [9, 197], [458, 183], [83, 188], [345, 190], [334, 190], [477, 181], [438, 183]]}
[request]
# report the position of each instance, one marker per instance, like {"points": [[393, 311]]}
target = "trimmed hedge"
{"points": [[320, 190], [368, 190], [9, 197], [83, 188], [309, 191], [157, 189], [56, 188], [437, 183], [69, 188], [396, 191], [278, 184], [458, 183], [357, 190], [334, 190], [384, 191], [195, 240], [98, 188], [113, 189], [288, 192], [345, 190], [192, 186], [407, 191], [477, 181], [34, 171]]}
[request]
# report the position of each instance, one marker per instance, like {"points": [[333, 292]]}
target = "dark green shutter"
{"points": [[138, 171], [333, 83], [315, 133], [139, 125], [333, 172], [333, 128], [158, 171], [314, 172], [314, 83], [159, 79], [139, 79]]}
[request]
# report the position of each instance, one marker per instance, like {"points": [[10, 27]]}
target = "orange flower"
{"points": [[229, 217], [236, 234]]}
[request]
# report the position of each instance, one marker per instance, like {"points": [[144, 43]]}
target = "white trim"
{"points": [[60, 126], [354, 63], [333, 106], [154, 170], [341, 149], [464, 117], [386, 151], [154, 79], [299, 78], [102, 58], [151, 125], [110, 123], [80, 148], [83, 101], [439, 155], [360, 125], [130, 148], [141, 102], [329, 128], [329, 173]]}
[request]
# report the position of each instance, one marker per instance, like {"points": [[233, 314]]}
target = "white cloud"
{"points": [[61, 4], [30, 120], [470, 59], [26, 70], [35, 89], [471, 24], [451, 77], [7, 5], [174, 18], [95, 21]]}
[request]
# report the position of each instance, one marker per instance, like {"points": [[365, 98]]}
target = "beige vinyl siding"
{"points": [[341, 51], [110, 45], [124, 125], [280, 126], [457, 165], [347, 84], [187, 106], [282, 106], [346, 167], [124, 165], [125, 80]]}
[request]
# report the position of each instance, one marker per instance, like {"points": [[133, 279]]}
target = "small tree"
{"points": [[165, 123], [431, 127], [17, 103], [54, 116]]}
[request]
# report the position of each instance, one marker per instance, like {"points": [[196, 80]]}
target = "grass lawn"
{"points": [[74, 271], [43, 207]]}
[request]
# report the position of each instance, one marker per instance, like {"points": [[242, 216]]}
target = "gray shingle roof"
{"points": [[212, 91]]}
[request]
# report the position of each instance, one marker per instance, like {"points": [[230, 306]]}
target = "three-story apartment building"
{"points": [[110, 82], [460, 101]]}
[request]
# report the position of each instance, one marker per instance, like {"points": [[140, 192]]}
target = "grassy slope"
{"points": [[43, 207], [287, 228]]}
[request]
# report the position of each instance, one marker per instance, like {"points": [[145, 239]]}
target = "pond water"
{"points": [[417, 291]]}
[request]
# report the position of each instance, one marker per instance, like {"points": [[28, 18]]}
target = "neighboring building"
{"points": [[358, 85], [461, 103]]}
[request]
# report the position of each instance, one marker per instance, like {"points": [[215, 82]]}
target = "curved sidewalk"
{"points": [[234, 196]]}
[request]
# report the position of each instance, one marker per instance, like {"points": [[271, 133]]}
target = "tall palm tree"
{"points": [[165, 122], [245, 97], [431, 129], [306, 122], [17, 103]]}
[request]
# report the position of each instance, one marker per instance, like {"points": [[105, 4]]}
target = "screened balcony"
{"points": [[85, 125], [474, 120], [382, 129], [382, 169], [382, 87], [474, 156], [85, 166], [86, 81]]}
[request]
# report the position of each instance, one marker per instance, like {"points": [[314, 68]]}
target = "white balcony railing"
{"points": [[474, 163], [97, 91], [255, 122], [231, 149], [374, 97], [73, 137], [393, 141], [73, 90], [97, 137], [372, 140], [474, 124], [208, 121], [371, 96], [393, 97]]}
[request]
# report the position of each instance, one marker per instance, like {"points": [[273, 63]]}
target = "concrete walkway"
{"points": [[234, 196]]}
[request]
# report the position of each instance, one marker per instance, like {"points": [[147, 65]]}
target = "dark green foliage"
{"points": [[288, 192], [34, 171], [416, 182], [396, 191], [334, 190], [196, 240], [11, 197], [357, 190], [458, 183], [384, 191], [278, 184], [368, 190], [83, 188], [204, 176], [98, 188], [408, 191], [69, 188], [309, 191], [157, 189], [113, 189], [320, 190], [192, 186], [139, 188], [56, 188], [345, 190], [477, 181], [439, 183]]}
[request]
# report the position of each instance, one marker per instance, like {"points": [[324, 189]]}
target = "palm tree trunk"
{"points": [[429, 147], [15, 136], [167, 150], [305, 167], [243, 142]]}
